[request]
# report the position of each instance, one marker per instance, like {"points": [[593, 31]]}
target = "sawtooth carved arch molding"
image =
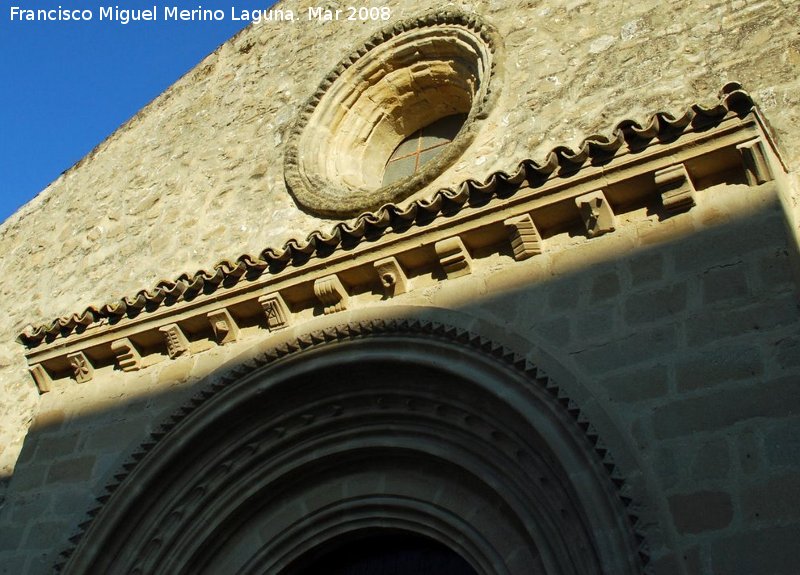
{"points": [[364, 429], [401, 80]]}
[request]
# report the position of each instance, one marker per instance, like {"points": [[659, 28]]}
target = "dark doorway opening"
{"points": [[384, 554]]}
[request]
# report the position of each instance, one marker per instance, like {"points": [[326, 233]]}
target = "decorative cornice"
{"points": [[637, 166], [561, 161]]}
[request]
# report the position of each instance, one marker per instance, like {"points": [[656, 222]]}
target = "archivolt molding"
{"points": [[662, 161], [470, 415]]}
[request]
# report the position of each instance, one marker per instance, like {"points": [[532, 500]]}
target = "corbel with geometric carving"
{"points": [[176, 340], [393, 278], [276, 310], [756, 165], [525, 238], [453, 257], [82, 369], [676, 188], [224, 326], [41, 377], [331, 294], [596, 212], [128, 358]]}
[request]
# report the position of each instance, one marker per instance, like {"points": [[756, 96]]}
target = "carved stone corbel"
{"points": [[677, 190], [128, 358], [82, 368], [41, 377], [525, 238], [393, 278], [276, 310], [224, 326], [331, 293], [598, 217], [454, 257], [177, 343], [756, 164]]}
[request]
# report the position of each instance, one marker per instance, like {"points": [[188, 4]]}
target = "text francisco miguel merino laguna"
{"points": [[174, 13]]}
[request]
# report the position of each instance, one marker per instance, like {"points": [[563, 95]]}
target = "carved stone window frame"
{"points": [[402, 79]]}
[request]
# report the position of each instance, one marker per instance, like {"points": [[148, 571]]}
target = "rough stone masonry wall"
{"points": [[197, 175]]}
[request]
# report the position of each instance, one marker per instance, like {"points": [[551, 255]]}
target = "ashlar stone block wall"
{"points": [[678, 342], [681, 336], [197, 175]]}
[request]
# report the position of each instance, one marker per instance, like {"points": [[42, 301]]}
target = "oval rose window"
{"points": [[392, 116]]}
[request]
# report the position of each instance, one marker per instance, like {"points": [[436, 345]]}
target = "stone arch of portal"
{"points": [[387, 426]]}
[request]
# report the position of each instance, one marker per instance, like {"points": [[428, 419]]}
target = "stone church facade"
{"points": [[491, 287]]}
